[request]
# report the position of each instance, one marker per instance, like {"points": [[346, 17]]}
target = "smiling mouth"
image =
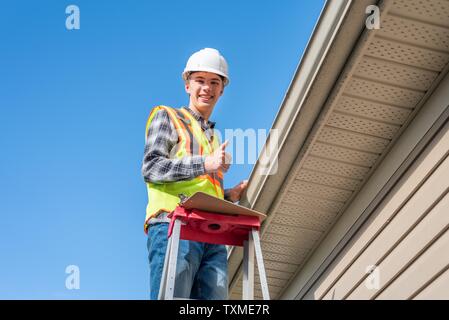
{"points": [[206, 98]]}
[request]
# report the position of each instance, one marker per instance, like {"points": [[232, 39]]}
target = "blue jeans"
{"points": [[202, 268]]}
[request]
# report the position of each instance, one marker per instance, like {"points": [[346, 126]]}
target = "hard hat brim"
{"points": [[187, 72]]}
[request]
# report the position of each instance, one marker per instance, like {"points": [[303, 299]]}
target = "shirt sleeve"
{"points": [[157, 166]]}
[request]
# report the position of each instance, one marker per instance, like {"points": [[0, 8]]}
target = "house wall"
{"points": [[397, 244]]}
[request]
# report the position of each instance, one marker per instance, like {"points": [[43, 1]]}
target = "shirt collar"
{"points": [[199, 117]]}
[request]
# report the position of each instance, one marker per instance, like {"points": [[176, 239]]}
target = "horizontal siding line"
{"points": [[411, 44], [284, 244], [287, 273], [282, 263], [405, 17], [354, 96], [348, 147], [347, 113], [294, 237], [269, 284], [315, 197], [339, 161], [294, 226], [323, 185], [336, 203], [281, 254], [390, 84], [356, 132], [429, 282], [302, 206], [401, 64], [331, 174], [316, 210]]}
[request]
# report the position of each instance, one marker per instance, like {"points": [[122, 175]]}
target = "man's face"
{"points": [[205, 88]]}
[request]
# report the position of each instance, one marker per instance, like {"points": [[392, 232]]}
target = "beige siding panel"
{"points": [[278, 274], [305, 218], [296, 259], [328, 180], [416, 242], [366, 126], [312, 202], [296, 208], [416, 33], [361, 158], [280, 266], [435, 259], [291, 231], [319, 190], [383, 93], [429, 159], [347, 138], [337, 168], [438, 289], [395, 73], [407, 54], [280, 249], [393, 229], [272, 281], [375, 111], [305, 240], [433, 12]]}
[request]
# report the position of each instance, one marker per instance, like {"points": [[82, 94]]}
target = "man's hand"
{"points": [[219, 160], [236, 193]]}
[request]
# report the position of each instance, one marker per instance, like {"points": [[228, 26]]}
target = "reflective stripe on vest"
{"points": [[191, 141]]}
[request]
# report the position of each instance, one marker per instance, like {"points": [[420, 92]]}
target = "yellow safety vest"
{"points": [[191, 141]]}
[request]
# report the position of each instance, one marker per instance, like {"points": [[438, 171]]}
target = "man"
{"points": [[182, 157]]}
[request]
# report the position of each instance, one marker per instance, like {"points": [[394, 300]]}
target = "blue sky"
{"points": [[73, 108]]}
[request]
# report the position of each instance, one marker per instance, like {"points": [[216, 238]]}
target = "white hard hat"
{"points": [[208, 60]]}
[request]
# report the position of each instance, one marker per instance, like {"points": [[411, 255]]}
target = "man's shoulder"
{"points": [[159, 118], [161, 108], [166, 111]]}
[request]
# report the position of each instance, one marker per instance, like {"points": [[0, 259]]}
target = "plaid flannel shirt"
{"points": [[157, 165]]}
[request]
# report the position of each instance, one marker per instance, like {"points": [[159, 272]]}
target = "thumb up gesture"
{"points": [[219, 160]]}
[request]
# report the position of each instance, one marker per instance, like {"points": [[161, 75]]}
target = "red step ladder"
{"points": [[216, 228]]}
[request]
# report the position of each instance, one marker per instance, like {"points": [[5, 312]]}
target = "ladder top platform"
{"points": [[205, 202]]}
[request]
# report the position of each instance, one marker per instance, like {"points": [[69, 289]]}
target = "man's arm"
{"points": [[157, 167], [227, 194]]}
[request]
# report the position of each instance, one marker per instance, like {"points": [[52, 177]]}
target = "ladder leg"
{"points": [[173, 259], [163, 284], [248, 269], [260, 265]]}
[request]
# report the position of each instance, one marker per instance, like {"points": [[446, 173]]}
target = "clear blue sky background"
{"points": [[73, 107]]}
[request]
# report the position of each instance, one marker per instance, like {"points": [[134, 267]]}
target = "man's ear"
{"points": [[187, 87]]}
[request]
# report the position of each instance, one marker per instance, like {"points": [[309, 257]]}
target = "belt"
{"points": [[162, 217]]}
